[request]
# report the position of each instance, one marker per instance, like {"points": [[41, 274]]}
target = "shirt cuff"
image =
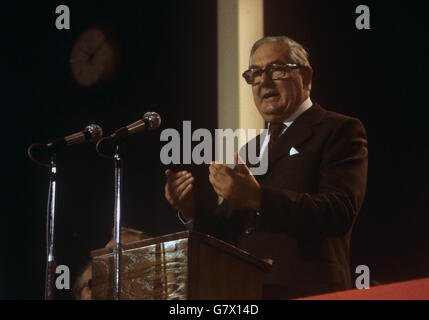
{"points": [[188, 225]]}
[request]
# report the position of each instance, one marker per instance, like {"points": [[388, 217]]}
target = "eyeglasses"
{"points": [[275, 71]]}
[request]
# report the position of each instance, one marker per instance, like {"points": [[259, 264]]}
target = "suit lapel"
{"points": [[298, 133]]}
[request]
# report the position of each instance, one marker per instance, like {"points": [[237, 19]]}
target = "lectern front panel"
{"points": [[157, 271], [184, 265]]}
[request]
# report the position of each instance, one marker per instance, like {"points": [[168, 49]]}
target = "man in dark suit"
{"points": [[301, 212]]}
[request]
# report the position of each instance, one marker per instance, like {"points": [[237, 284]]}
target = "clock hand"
{"points": [[84, 51], [91, 56]]}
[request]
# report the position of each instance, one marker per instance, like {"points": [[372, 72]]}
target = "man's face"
{"points": [[277, 100]]}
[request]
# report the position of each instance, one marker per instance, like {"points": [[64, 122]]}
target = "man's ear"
{"points": [[307, 76]]}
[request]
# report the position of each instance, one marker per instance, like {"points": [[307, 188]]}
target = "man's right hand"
{"points": [[179, 192]]}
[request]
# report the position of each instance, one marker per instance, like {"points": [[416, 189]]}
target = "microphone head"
{"points": [[152, 120], [94, 131]]}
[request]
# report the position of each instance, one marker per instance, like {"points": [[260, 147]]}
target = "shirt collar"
{"points": [[303, 107]]}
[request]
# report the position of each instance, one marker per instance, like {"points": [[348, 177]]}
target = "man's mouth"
{"points": [[270, 95]]}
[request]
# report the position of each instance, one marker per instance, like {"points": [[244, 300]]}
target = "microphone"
{"points": [[91, 133], [150, 121]]}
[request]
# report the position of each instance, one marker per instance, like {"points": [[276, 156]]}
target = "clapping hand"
{"points": [[179, 192], [238, 186]]}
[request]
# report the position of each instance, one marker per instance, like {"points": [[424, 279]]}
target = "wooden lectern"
{"points": [[183, 265]]}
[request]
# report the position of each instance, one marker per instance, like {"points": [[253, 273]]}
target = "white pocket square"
{"points": [[293, 151]]}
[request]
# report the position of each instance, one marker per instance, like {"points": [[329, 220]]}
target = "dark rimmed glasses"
{"points": [[275, 71]]}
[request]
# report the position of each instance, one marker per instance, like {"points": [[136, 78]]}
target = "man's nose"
{"points": [[266, 79]]}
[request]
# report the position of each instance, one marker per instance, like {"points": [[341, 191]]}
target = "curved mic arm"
{"points": [[97, 148], [30, 155]]}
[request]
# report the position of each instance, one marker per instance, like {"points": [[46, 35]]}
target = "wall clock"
{"points": [[93, 57]]}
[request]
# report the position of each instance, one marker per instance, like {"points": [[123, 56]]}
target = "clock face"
{"points": [[93, 57]]}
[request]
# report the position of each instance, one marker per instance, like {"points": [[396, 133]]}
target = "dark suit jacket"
{"points": [[309, 203]]}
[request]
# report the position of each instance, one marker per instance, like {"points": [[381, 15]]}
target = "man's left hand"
{"points": [[237, 186]]}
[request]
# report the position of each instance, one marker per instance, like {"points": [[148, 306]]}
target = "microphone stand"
{"points": [[50, 221], [91, 132], [50, 232], [117, 250], [151, 120]]}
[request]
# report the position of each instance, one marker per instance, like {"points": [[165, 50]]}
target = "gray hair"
{"points": [[297, 53]]}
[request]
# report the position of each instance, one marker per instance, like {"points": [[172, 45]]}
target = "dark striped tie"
{"points": [[275, 130]]}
